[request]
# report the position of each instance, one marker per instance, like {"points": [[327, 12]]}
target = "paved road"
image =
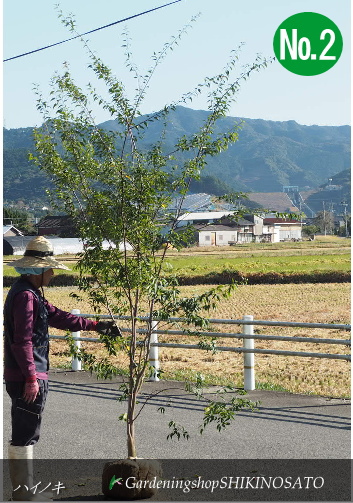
{"points": [[80, 421]]}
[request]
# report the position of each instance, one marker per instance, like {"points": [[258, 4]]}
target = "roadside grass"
{"points": [[270, 386], [321, 303]]}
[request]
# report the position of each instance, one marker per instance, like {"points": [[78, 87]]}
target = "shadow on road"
{"points": [[303, 414]]}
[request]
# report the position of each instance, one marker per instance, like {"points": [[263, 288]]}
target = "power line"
{"points": [[92, 31]]}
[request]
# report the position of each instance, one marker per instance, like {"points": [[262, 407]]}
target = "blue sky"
{"points": [[273, 94]]}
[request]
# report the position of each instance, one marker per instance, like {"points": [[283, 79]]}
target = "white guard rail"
{"points": [[248, 337]]}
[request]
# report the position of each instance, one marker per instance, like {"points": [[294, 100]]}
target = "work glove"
{"points": [[31, 389], [108, 328]]}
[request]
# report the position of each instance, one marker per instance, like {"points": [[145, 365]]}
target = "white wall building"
{"points": [[215, 229], [282, 229], [11, 230], [216, 235]]}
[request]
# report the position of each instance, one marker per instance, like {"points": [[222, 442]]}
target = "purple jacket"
{"points": [[21, 311]]}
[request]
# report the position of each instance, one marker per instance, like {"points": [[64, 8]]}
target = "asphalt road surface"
{"points": [[80, 422]]}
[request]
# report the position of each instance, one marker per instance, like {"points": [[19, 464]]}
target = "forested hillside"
{"points": [[333, 196], [267, 155]]}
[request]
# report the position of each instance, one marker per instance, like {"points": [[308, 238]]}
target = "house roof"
{"points": [[242, 221], [197, 202], [55, 221], [204, 215], [7, 228], [207, 228], [272, 221]]}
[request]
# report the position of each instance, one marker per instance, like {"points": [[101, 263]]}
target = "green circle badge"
{"points": [[308, 43]]}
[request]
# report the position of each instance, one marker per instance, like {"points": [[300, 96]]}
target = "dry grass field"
{"points": [[320, 303]]}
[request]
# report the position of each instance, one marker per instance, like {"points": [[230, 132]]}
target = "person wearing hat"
{"points": [[27, 315]]}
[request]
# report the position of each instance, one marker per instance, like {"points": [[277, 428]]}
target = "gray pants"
{"points": [[26, 418]]}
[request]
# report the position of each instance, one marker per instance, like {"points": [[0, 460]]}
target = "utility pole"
{"points": [[344, 204]]}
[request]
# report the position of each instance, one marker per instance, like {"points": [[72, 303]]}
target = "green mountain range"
{"points": [[267, 155]]}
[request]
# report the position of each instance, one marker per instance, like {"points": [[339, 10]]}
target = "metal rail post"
{"points": [[76, 363], [249, 358], [154, 353]]}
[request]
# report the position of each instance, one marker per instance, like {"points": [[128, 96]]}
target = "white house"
{"points": [[216, 235], [282, 229], [11, 230], [224, 235], [217, 228]]}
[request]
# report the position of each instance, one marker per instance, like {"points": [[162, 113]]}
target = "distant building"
{"points": [[56, 226], [215, 235], [201, 217], [16, 245], [333, 187], [198, 202], [282, 229], [224, 235], [11, 230], [224, 231]]}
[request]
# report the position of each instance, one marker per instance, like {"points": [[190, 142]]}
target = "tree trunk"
{"points": [[130, 427], [131, 447]]}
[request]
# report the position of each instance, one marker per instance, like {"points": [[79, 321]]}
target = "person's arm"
{"points": [[67, 321]]}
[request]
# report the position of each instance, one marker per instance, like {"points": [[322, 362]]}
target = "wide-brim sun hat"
{"points": [[39, 253]]}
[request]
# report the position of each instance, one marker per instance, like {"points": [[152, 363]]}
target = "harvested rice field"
{"points": [[311, 303]]}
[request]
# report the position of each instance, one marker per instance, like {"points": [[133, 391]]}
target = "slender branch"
{"points": [[150, 396]]}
